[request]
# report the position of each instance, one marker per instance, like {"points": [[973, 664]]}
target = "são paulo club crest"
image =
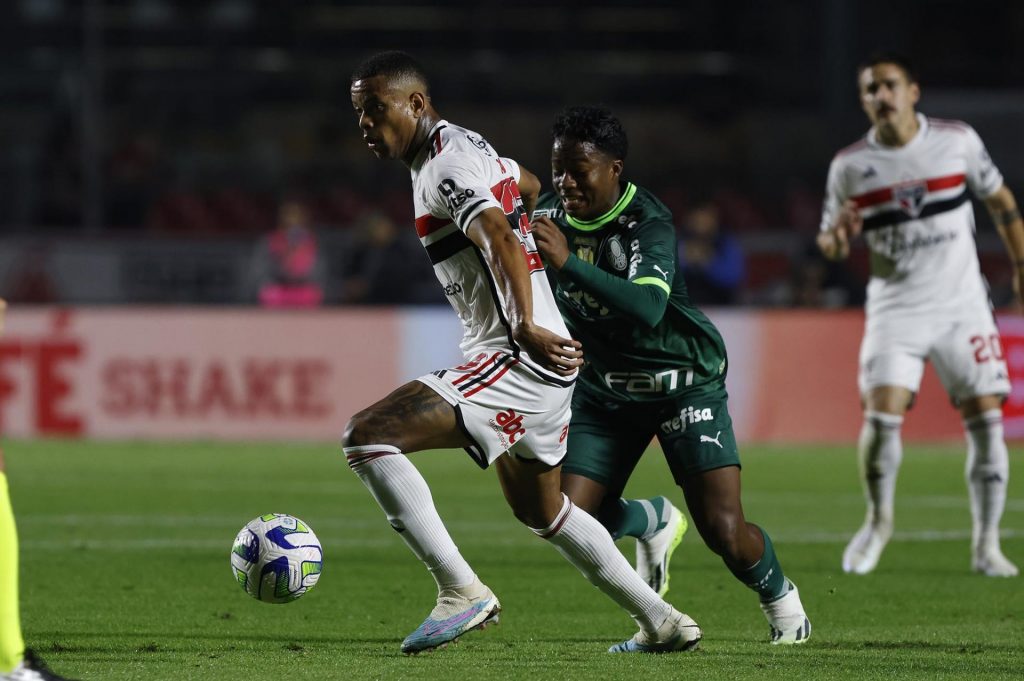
{"points": [[911, 197]]}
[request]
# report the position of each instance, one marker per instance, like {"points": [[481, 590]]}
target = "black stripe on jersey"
{"points": [[447, 246], [435, 141], [895, 217], [497, 303], [462, 219], [546, 377], [474, 450], [503, 359]]}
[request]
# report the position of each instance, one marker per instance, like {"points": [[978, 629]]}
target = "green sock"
{"points": [[635, 517], [12, 647], [765, 576]]}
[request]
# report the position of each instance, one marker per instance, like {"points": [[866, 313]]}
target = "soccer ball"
{"points": [[276, 558]]}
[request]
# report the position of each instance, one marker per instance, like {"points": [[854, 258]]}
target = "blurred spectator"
{"points": [[388, 266], [711, 259], [822, 283], [29, 281], [131, 179], [287, 265]]}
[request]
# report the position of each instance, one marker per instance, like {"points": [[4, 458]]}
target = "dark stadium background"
{"points": [[154, 139]]}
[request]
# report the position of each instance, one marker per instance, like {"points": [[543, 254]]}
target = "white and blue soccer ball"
{"points": [[276, 558]]}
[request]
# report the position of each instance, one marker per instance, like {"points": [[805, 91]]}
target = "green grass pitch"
{"points": [[125, 572]]}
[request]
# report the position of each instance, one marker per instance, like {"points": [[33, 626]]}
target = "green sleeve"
{"points": [[640, 302]]}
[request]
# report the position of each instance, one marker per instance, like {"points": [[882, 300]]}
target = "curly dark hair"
{"points": [[901, 60], [592, 124], [393, 64]]}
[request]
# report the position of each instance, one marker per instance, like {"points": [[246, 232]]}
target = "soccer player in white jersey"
{"points": [[509, 403], [905, 187]]}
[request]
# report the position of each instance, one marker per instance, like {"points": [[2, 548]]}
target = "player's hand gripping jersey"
{"points": [[918, 219], [456, 176], [612, 292]]}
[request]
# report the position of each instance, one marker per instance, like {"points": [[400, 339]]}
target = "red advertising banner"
{"points": [[192, 374], [247, 374]]}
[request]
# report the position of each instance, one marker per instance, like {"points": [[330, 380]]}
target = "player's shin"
{"points": [[987, 473], [403, 495], [585, 543], [11, 643], [880, 452], [638, 518], [765, 576]]}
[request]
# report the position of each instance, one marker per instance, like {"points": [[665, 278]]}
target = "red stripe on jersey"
{"points": [[935, 184], [492, 380], [947, 124], [426, 224], [437, 142], [476, 371]]}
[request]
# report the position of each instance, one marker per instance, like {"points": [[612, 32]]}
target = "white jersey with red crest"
{"points": [[456, 176], [918, 219]]}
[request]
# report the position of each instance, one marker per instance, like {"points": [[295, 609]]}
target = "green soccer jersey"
{"points": [[612, 293]]}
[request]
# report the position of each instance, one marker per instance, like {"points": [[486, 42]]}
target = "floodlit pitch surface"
{"points": [[124, 555]]}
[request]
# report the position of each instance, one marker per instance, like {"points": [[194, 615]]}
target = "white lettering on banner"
{"points": [[237, 387]]}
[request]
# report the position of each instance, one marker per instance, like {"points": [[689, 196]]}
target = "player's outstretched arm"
{"points": [[1002, 206], [504, 255]]}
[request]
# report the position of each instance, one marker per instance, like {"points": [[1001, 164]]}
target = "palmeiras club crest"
{"points": [[911, 197]]}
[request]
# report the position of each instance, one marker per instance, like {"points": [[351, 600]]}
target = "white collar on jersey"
{"points": [[424, 151]]}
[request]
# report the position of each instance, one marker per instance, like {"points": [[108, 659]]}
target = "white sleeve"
{"points": [[513, 167], [455, 185], [983, 177], [835, 195]]}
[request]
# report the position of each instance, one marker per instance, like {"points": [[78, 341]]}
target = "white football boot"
{"points": [[31, 668], [677, 634], [654, 554], [457, 611], [786, 617], [862, 553], [988, 559]]}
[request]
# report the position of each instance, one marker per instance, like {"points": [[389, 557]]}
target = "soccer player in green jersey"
{"points": [[656, 367]]}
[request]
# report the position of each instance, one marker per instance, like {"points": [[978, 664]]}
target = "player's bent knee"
{"points": [[725, 538], [363, 429]]}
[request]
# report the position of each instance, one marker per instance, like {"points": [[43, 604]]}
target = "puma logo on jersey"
{"points": [[705, 438], [662, 272]]}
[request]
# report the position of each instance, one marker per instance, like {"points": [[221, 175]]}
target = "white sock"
{"points": [[987, 473], [585, 543], [880, 452], [403, 494]]}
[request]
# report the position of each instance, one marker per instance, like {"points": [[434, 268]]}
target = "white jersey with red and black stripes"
{"points": [[456, 176], [918, 219]]}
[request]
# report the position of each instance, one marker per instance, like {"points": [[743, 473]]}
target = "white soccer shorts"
{"points": [[966, 353], [503, 406]]}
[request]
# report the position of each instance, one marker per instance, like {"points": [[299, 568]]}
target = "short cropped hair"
{"points": [[900, 60], [595, 125], [391, 64]]}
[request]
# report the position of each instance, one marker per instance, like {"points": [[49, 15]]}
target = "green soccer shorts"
{"points": [[606, 440]]}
